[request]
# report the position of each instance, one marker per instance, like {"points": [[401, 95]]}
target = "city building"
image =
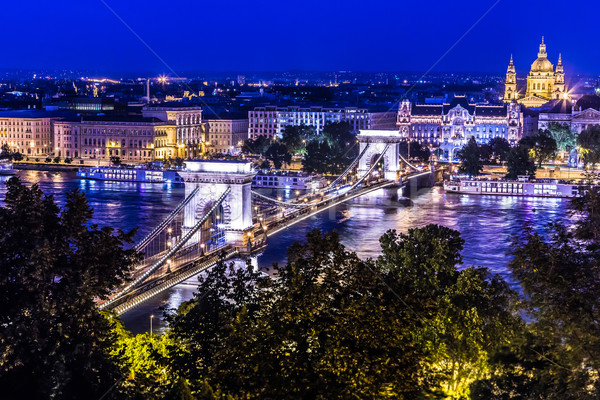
{"points": [[450, 126], [188, 126], [544, 83], [99, 138], [28, 132], [577, 116], [225, 135], [270, 121]]}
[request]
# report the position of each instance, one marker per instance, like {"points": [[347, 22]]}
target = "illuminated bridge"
{"points": [[221, 217]]}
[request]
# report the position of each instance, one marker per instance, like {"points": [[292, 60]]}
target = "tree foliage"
{"points": [[278, 154], [589, 146], [519, 162], [565, 139], [53, 265], [256, 146], [470, 158], [542, 147]]}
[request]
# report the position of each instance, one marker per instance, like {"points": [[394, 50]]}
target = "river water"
{"points": [[486, 223]]}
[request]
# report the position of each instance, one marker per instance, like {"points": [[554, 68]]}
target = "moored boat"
{"points": [[6, 168], [538, 188]]}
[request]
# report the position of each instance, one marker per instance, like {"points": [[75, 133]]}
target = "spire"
{"points": [[559, 59], [511, 60], [542, 53]]}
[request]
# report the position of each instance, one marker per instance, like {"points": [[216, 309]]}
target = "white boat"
{"points": [[6, 168], [538, 188]]}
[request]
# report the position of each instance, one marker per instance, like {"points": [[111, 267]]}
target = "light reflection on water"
{"points": [[486, 223]]}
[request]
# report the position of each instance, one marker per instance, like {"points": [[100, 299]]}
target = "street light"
{"points": [[151, 318]]}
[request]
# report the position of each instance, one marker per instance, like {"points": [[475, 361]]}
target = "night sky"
{"points": [[277, 35]]}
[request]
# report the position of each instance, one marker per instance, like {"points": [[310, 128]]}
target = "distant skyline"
{"points": [[235, 35]]}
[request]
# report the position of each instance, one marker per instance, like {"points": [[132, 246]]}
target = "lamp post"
{"points": [[151, 318]]}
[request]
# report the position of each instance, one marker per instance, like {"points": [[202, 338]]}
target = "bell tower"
{"points": [[510, 89], [559, 80]]}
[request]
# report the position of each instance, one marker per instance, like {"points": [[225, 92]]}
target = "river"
{"points": [[486, 223]]}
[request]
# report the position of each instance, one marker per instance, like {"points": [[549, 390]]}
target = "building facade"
{"points": [[27, 132], [188, 126], [450, 126], [225, 136], [97, 138], [544, 83], [577, 116], [271, 121]]}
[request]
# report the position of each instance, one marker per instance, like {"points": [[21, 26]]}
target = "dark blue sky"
{"points": [[276, 35]]}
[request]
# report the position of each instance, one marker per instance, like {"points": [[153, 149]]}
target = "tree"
{"points": [[5, 152], [589, 146], [470, 158], [68, 160], [53, 266], [48, 160], [56, 160], [417, 151], [464, 315], [562, 135], [318, 158], [278, 154], [295, 137], [204, 324], [16, 156], [115, 160], [499, 148], [542, 146], [256, 146], [519, 162]]}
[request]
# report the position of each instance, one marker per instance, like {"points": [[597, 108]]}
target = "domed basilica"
{"points": [[544, 83]]}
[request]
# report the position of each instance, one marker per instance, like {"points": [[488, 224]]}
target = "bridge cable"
{"points": [[152, 235], [170, 253]]}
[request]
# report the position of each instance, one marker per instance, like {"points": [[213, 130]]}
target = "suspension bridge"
{"points": [[221, 217]]}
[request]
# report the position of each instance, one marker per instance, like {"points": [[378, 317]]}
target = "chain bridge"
{"points": [[222, 217]]}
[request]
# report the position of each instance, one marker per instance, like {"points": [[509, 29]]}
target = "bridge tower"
{"points": [[213, 178], [372, 144]]}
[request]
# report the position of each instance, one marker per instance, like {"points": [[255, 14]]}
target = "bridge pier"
{"points": [[213, 178]]}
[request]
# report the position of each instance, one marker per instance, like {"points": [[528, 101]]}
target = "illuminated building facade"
{"points": [[577, 116], [225, 136], [188, 126], [27, 132], [450, 126], [544, 83], [270, 121], [99, 138]]}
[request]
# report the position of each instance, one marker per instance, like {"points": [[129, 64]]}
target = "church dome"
{"points": [[542, 64]]}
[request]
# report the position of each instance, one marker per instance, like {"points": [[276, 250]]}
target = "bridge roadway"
{"points": [[183, 267]]}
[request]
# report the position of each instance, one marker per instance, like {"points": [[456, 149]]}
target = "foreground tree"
{"points": [[470, 158], [558, 354], [53, 265]]}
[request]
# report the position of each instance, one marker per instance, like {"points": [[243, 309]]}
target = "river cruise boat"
{"points": [[292, 180], [129, 174], [6, 168], [538, 188]]}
